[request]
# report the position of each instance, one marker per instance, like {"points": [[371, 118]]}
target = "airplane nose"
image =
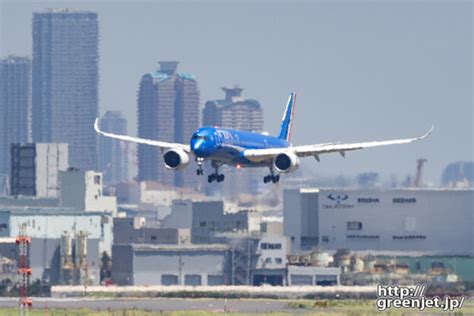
{"points": [[198, 146]]}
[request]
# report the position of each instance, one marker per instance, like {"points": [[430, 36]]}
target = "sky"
{"points": [[363, 70]]}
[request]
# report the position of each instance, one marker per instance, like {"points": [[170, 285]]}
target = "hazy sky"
{"points": [[363, 70]]}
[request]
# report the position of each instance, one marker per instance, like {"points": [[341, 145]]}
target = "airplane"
{"points": [[222, 146]]}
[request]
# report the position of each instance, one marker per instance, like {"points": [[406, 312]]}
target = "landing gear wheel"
{"points": [[220, 178], [199, 172], [271, 178], [210, 178]]}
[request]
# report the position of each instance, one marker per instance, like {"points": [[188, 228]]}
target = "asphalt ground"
{"points": [[157, 304]]}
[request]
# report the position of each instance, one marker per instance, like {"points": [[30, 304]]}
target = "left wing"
{"points": [[257, 155], [156, 143]]}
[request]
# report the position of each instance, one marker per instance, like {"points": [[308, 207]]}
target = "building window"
{"points": [[278, 260], [192, 279], [265, 245], [268, 260], [3, 227], [365, 237], [97, 179], [153, 237], [405, 237], [325, 239], [354, 225], [367, 200], [215, 280], [202, 224], [169, 279], [404, 200]]}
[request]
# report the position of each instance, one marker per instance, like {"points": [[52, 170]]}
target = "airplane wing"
{"points": [[257, 155], [156, 143]]}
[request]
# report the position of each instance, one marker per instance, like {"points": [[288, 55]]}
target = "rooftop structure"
{"points": [[35, 169]]}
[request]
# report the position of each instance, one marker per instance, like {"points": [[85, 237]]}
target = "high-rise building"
{"points": [[168, 110], [113, 154], [15, 95], [65, 82], [235, 112]]}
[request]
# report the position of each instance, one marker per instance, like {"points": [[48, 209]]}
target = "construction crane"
{"points": [[419, 173]]}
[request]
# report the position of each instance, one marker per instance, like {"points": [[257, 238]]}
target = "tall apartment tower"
{"points": [[113, 154], [235, 112], [15, 96], [65, 82], [168, 110]]}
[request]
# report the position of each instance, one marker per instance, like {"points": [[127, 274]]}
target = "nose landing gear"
{"points": [[199, 170]]}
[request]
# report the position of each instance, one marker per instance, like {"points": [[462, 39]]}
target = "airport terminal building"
{"points": [[432, 221]]}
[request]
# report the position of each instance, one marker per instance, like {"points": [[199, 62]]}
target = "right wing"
{"points": [[257, 155], [156, 143]]}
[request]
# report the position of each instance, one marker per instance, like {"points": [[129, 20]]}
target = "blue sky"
{"points": [[363, 70]]}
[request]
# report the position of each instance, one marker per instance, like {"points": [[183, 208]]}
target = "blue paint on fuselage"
{"points": [[227, 145]]}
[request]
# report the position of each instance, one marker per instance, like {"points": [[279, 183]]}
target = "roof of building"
{"points": [[191, 247], [49, 211], [317, 190], [229, 104]]}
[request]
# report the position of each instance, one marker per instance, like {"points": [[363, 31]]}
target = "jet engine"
{"points": [[175, 159], [286, 162]]}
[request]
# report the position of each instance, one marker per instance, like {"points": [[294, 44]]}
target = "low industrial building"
{"points": [[51, 223], [145, 264], [435, 221], [71, 259]]}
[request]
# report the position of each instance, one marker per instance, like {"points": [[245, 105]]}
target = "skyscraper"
{"points": [[235, 112], [113, 159], [65, 82], [15, 96], [168, 110]]}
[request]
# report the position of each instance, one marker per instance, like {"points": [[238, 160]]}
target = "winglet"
{"points": [[287, 119], [428, 133], [96, 126]]}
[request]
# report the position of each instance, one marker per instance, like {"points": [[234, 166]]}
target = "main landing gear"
{"points": [[271, 177], [215, 176]]}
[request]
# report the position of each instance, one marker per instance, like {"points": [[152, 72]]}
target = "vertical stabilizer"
{"points": [[287, 119]]}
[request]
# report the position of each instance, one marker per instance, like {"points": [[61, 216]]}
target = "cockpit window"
{"points": [[201, 137]]}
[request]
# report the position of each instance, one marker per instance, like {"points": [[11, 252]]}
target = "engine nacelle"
{"points": [[286, 162], [175, 159]]}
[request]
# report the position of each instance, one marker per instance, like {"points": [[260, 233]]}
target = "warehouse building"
{"points": [[145, 264], [435, 221]]}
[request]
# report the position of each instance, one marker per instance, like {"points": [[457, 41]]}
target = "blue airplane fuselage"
{"points": [[227, 145]]}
